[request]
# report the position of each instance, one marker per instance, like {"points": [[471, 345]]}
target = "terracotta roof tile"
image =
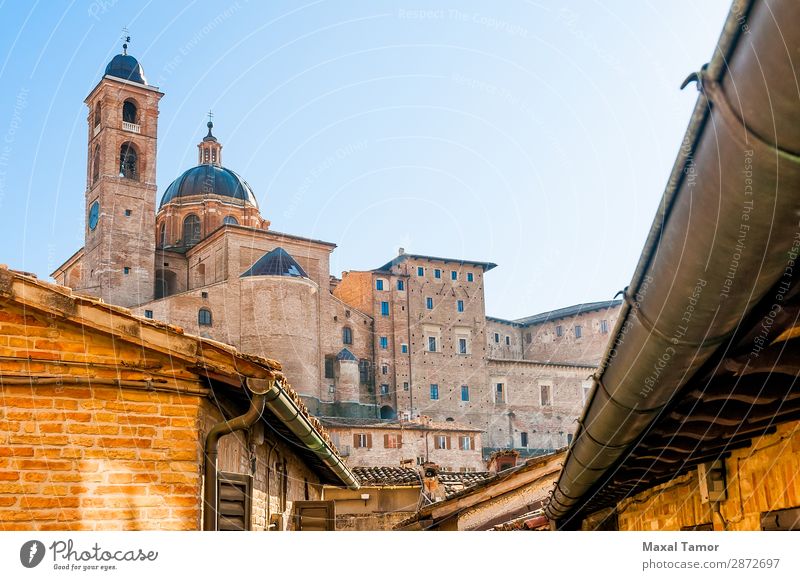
{"points": [[387, 476]]}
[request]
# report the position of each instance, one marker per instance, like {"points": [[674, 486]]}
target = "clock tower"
{"points": [[119, 250]]}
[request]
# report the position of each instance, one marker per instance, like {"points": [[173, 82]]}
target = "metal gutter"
{"points": [[284, 407], [719, 242]]}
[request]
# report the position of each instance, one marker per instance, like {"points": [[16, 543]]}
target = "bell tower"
{"points": [[119, 250]]}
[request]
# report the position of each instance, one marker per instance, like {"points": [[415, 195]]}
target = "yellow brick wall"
{"points": [[80, 456], [762, 477]]}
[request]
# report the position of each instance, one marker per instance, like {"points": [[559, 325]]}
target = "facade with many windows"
{"points": [[406, 340]]}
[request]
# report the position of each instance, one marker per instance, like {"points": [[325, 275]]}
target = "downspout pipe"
{"points": [[726, 232], [240, 423]]}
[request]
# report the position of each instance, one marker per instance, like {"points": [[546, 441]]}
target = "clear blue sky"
{"points": [[530, 134]]}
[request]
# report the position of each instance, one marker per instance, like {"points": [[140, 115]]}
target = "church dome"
{"points": [[124, 66], [209, 179]]}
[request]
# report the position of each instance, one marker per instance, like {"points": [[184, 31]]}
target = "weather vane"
{"points": [[126, 39]]}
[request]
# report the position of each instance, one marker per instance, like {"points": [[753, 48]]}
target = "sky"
{"points": [[535, 135]]}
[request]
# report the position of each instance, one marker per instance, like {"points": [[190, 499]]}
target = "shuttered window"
{"points": [[393, 441], [235, 501], [441, 442], [362, 440], [313, 516]]}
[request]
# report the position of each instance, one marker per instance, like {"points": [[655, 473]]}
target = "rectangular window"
{"points": [[500, 393], [437, 273], [405, 386], [464, 393], [384, 343], [569, 438], [578, 331], [466, 443], [586, 390], [404, 348], [546, 395], [148, 314], [431, 344], [401, 285], [379, 284], [429, 303], [329, 361], [362, 440], [462, 346], [460, 306], [384, 369], [528, 338], [384, 309], [470, 277], [237, 490], [347, 335], [363, 371], [126, 270], [604, 326], [441, 442], [508, 340], [559, 331], [384, 389], [453, 275], [434, 392], [496, 337], [420, 271], [523, 439], [393, 441], [128, 212]]}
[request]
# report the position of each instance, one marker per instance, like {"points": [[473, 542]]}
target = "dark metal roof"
{"points": [[210, 179], [345, 354], [124, 66], [387, 476], [568, 311], [276, 263], [402, 257]]}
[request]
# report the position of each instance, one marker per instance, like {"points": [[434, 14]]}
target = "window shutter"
{"points": [[234, 501], [315, 515], [369, 440], [472, 442], [447, 440], [356, 440], [386, 441]]}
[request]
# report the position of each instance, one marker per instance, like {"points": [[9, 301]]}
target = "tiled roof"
{"points": [[568, 311], [387, 476], [457, 481], [332, 422]]}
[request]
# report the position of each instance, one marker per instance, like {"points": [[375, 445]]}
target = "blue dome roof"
{"points": [[278, 262], [124, 66], [209, 179]]}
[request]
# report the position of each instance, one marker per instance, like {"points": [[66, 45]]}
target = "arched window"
{"points": [[98, 113], [347, 335], [204, 317], [162, 235], [129, 112], [191, 230], [128, 162], [230, 221], [96, 164]]}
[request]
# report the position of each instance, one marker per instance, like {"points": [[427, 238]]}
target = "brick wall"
{"points": [[761, 478], [416, 443], [546, 345]]}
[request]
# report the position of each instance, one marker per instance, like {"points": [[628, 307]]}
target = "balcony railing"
{"points": [[132, 127]]}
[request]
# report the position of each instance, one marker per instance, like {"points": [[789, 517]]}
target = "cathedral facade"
{"points": [[407, 340]]}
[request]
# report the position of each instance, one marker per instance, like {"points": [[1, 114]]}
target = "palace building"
{"points": [[409, 341]]}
